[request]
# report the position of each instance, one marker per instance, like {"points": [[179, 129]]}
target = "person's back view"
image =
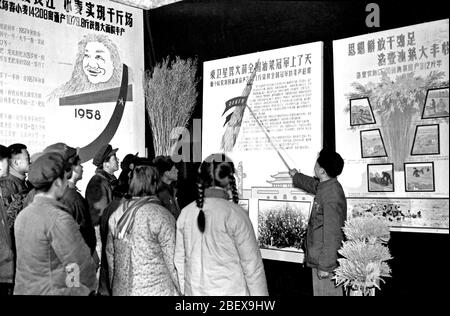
{"points": [[216, 249]]}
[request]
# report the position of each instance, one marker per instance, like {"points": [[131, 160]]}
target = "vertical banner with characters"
{"points": [[392, 112], [71, 71], [264, 110]]}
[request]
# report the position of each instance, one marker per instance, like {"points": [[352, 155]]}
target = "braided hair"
{"points": [[215, 170]]}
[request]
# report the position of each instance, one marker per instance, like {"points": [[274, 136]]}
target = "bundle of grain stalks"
{"points": [[170, 96]]}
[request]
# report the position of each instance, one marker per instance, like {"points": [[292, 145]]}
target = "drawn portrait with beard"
{"points": [[97, 67]]}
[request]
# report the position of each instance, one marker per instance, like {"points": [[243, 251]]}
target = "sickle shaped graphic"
{"points": [[87, 152]]}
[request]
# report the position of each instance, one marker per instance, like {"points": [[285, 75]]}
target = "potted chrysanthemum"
{"points": [[364, 253]]}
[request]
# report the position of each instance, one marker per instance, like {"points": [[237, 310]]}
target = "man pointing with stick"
{"points": [[329, 212]]}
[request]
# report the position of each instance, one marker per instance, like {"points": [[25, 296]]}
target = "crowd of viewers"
{"points": [[126, 235]]}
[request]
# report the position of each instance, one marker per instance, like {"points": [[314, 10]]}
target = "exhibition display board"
{"points": [[392, 113], [265, 111], [72, 71]]}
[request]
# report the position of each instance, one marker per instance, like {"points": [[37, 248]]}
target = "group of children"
{"points": [[129, 237]]}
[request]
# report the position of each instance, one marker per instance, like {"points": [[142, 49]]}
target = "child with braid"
{"points": [[216, 251]]}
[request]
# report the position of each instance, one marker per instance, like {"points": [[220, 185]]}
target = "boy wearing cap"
{"points": [[52, 258], [329, 212]]}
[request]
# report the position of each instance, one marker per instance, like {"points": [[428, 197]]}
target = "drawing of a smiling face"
{"points": [[97, 62]]}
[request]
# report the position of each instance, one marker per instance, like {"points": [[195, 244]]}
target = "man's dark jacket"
{"points": [[329, 211]]}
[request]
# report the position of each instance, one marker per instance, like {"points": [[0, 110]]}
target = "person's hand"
{"points": [[292, 172], [323, 274]]}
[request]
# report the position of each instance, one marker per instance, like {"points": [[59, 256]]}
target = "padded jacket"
{"points": [[225, 259]]}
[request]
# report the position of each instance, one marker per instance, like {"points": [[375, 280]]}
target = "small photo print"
{"points": [[380, 177], [361, 112], [372, 144], [436, 104], [419, 177], [426, 140]]}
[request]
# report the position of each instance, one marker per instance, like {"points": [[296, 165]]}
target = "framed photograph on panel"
{"points": [[436, 104], [372, 144], [361, 112], [380, 177], [419, 177], [426, 140]]}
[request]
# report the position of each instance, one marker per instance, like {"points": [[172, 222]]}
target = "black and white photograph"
{"points": [[411, 215]]}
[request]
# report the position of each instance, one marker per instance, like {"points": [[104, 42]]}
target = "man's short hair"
{"points": [[331, 162], [16, 149], [103, 155], [46, 169]]}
